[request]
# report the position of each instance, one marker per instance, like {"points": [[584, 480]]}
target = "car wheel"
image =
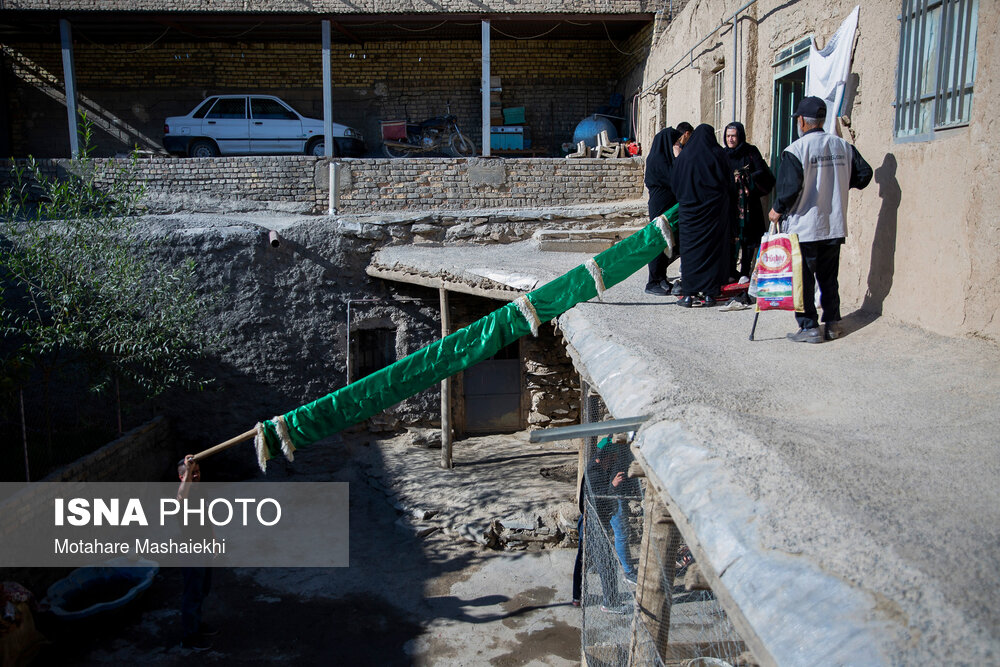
{"points": [[203, 148], [317, 148], [460, 146]]}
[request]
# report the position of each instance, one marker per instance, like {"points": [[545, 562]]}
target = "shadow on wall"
{"points": [[883, 258]]}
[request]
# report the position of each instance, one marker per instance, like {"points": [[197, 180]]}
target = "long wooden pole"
{"points": [[445, 390], [654, 593], [243, 437]]}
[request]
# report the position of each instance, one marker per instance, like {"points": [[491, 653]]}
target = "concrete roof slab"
{"points": [[843, 497]]}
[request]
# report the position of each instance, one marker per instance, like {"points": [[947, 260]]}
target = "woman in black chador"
{"points": [[703, 184], [753, 181], [661, 197]]}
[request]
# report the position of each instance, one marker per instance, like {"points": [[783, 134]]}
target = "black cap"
{"points": [[811, 107]]}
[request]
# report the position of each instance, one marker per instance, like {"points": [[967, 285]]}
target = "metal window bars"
{"points": [[937, 65]]}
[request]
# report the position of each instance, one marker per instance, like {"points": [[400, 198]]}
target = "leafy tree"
{"points": [[82, 288]]}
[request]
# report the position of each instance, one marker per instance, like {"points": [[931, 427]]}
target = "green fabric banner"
{"points": [[465, 347]]}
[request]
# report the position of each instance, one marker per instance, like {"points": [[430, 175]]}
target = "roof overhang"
{"points": [[144, 27]]}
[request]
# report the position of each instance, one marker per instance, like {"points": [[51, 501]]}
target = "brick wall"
{"points": [[129, 89], [373, 185], [144, 454], [381, 185]]}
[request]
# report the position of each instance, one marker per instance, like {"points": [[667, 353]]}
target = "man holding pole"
{"points": [[197, 580], [811, 194]]}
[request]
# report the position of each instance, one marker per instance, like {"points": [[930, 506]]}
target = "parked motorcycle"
{"points": [[439, 134]]}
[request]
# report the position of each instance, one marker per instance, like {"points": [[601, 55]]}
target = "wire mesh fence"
{"points": [[636, 607]]}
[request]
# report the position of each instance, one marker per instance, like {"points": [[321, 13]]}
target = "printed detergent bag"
{"points": [[778, 274]]}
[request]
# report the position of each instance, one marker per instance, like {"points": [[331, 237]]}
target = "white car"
{"points": [[253, 125]]}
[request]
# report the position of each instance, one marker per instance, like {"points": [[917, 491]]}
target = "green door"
{"points": [[788, 91]]}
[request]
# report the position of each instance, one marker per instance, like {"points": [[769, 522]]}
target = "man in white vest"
{"points": [[816, 171]]}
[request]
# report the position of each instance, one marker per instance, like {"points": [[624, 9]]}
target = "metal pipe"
{"points": [[69, 76], [735, 60], [273, 238], [327, 94], [485, 83], [587, 430]]}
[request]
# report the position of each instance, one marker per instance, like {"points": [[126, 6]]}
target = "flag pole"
{"points": [[249, 435]]}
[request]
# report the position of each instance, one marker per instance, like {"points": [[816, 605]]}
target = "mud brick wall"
{"points": [[301, 184], [143, 454], [130, 88], [369, 186]]}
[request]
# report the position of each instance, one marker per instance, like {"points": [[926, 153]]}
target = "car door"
{"points": [[274, 128], [227, 124]]}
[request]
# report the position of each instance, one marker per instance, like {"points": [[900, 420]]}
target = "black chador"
{"points": [[703, 184]]}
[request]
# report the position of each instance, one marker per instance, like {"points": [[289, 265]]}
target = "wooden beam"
{"points": [[347, 33], [657, 565], [446, 461]]}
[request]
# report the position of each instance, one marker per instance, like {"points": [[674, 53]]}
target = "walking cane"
{"points": [[756, 315]]}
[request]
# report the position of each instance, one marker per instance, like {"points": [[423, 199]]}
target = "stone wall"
{"points": [[129, 89], [551, 382], [301, 183], [922, 243]]}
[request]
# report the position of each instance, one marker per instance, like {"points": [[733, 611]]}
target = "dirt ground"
{"points": [[416, 592]]}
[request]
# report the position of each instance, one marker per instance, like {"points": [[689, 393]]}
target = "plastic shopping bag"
{"points": [[778, 274]]}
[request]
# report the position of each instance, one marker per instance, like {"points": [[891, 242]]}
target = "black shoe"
{"points": [[806, 336], [196, 643], [206, 630], [690, 302], [657, 290], [832, 331], [710, 301]]}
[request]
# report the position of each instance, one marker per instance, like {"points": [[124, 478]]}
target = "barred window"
{"points": [[718, 104], [374, 349], [937, 65]]}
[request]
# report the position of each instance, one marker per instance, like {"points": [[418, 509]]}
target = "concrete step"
{"points": [[581, 240]]}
